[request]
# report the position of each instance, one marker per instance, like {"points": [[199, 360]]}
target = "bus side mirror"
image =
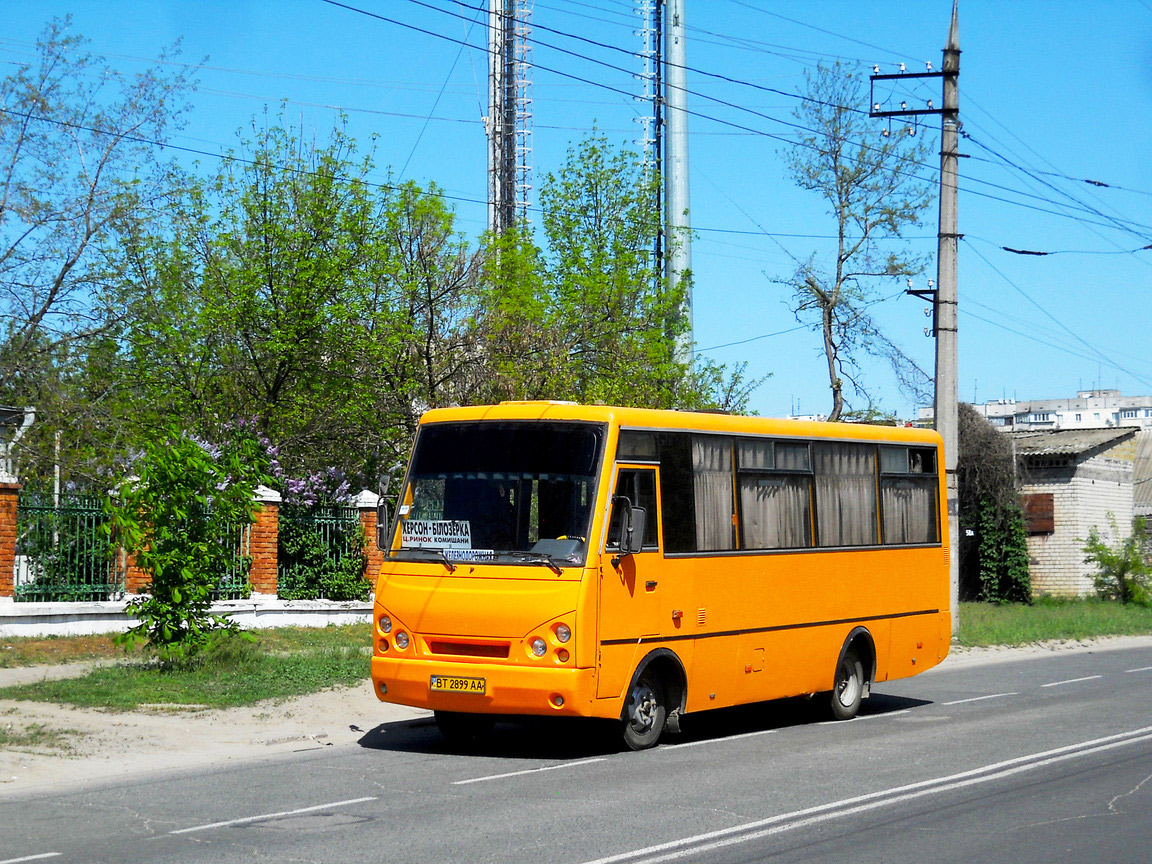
{"points": [[383, 523], [633, 520]]}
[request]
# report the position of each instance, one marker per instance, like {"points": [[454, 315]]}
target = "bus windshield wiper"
{"points": [[440, 555], [539, 558]]}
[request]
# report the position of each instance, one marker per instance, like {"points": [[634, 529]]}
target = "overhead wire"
{"points": [[1099, 355]]}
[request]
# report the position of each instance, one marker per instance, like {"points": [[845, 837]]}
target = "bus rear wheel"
{"points": [[848, 689], [645, 711]]}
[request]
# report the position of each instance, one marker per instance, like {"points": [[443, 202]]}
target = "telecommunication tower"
{"points": [[509, 121]]}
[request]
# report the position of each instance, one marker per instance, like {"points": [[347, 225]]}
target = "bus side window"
{"points": [[638, 485]]}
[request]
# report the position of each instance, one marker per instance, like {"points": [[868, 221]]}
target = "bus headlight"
{"points": [[563, 632], [539, 647], [401, 640], [385, 624]]}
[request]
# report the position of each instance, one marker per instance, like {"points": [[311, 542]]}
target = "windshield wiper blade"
{"points": [[539, 558], [439, 554]]}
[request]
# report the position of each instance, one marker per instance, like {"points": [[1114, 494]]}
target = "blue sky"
{"points": [[1051, 94]]}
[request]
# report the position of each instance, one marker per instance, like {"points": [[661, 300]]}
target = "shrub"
{"points": [[179, 519], [1122, 571]]}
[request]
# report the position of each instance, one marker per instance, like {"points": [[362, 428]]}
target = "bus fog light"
{"points": [[539, 647], [385, 624], [557, 700], [383, 688], [383, 646], [563, 632], [401, 639], [562, 656]]}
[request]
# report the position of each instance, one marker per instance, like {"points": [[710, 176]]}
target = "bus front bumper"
{"points": [[506, 689]]}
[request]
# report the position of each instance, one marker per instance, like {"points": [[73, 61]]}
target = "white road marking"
{"points": [[702, 844], [266, 816], [39, 857], [527, 771], [979, 698], [674, 747], [1072, 681], [1142, 669]]}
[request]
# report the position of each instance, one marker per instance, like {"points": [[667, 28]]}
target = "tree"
{"points": [[179, 516], [289, 288], [994, 562], [77, 142], [590, 317], [873, 194]]}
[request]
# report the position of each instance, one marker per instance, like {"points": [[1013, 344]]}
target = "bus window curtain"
{"points": [[845, 494], [712, 488], [909, 508], [775, 512]]}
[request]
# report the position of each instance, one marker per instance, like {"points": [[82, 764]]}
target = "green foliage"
{"points": [[1122, 569], [1003, 554], [993, 565], [180, 519], [289, 288], [590, 317], [321, 555]]}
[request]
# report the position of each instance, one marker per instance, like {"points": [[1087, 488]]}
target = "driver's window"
{"points": [[638, 485]]}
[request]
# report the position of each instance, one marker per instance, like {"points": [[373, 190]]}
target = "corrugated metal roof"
{"points": [[1068, 442]]}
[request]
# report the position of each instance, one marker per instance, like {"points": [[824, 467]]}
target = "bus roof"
{"points": [[701, 421]]}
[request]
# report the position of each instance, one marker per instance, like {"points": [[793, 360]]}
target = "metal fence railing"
{"points": [[235, 583], [320, 554], [62, 551]]}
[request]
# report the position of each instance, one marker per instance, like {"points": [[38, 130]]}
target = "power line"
{"points": [[1100, 355]]}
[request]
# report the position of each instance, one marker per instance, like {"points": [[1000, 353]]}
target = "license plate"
{"points": [[456, 684]]}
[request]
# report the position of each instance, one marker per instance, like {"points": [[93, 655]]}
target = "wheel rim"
{"points": [[848, 688], [645, 707]]}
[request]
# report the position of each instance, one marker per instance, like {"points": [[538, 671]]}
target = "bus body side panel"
{"points": [[772, 626]]}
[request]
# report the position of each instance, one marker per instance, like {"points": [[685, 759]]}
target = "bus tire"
{"points": [[848, 688], [461, 729], [645, 711]]}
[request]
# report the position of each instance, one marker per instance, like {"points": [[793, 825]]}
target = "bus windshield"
{"points": [[509, 492]]}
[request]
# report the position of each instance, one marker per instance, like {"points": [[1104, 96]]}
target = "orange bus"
{"points": [[550, 558]]}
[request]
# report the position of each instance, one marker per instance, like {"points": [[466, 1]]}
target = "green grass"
{"points": [[276, 664], [1014, 624]]}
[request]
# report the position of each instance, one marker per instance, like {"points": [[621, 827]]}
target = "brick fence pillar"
{"points": [[366, 503], [264, 540], [136, 581], [9, 497]]}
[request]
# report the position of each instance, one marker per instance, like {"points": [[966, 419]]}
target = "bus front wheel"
{"points": [[849, 687], [644, 713]]}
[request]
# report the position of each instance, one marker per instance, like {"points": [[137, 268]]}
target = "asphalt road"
{"points": [[1042, 759]]}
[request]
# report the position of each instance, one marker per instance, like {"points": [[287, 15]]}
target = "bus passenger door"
{"points": [[629, 590]]}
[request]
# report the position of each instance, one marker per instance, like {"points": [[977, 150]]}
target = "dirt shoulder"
{"points": [[65, 746], [58, 745]]}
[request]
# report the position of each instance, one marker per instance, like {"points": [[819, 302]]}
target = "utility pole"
{"points": [[946, 408], [947, 392], [677, 239]]}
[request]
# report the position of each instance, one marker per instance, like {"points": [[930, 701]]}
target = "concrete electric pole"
{"points": [[946, 408]]}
